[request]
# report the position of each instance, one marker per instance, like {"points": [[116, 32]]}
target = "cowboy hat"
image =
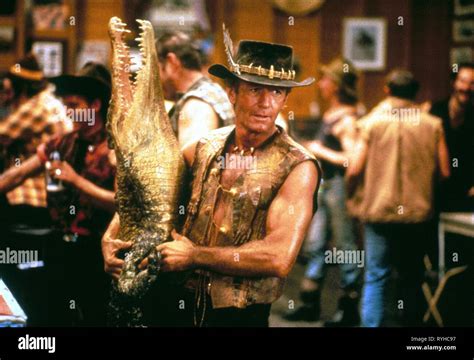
{"points": [[259, 62]]}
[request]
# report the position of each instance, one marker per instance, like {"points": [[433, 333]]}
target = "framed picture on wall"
{"points": [[183, 15], [463, 30], [51, 14], [364, 42], [7, 38], [50, 56], [460, 55], [463, 7]]}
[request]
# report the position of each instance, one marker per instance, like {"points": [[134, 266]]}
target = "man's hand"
{"points": [[63, 171], [177, 255], [110, 246], [112, 264]]}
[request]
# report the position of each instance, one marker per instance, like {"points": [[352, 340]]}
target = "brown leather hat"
{"points": [[27, 68], [92, 80], [259, 62]]}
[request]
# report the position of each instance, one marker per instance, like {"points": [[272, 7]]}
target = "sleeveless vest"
{"points": [[245, 213]]}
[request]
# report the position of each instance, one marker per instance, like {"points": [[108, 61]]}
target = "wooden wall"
{"points": [[258, 20], [96, 15], [421, 44]]}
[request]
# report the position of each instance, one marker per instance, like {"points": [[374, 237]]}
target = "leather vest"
{"points": [[246, 210]]}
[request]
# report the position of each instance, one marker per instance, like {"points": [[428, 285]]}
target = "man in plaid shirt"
{"points": [[38, 116]]}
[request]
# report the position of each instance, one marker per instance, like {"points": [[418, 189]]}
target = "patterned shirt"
{"points": [[33, 123]]}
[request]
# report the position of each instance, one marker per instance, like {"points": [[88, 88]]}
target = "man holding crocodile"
{"points": [[244, 226]]}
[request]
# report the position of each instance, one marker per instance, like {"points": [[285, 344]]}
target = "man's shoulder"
{"points": [[293, 145], [294, 150], [217, 135], [206, 89], [213, 95], [373, 116], [431, 119]]}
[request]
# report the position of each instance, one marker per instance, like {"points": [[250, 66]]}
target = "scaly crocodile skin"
{"points": [[150, 168]]}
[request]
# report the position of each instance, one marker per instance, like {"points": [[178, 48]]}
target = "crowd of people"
{"points": [[385, 178]]}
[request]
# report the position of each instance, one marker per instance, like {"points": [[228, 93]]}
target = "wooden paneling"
{"points": [[303, 33], [398, 46], [331, 33], [96, 15], [247, 19], [421, 44], [430, 44]]}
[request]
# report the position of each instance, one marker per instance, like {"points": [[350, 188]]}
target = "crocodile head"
{"points": [[136, 112]]}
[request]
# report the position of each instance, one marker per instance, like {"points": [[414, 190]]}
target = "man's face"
{"points": [[257, 106], [464, 86], [166, 77], [327, 87]]}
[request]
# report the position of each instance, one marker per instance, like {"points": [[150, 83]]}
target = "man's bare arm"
{"points": [[15, 176], [288, 219], [347, 135], [99, 197], [358, 159], [196, 119]]}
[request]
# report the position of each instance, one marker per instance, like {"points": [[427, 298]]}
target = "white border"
{"points": [[349, 24]]}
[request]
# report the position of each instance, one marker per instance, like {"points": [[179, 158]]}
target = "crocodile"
{"points": [[150, 169]]}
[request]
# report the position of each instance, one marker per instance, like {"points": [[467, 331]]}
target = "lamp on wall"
{"points": [[298, 7]]}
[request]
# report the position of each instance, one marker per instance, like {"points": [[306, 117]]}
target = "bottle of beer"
{"points": [[58, 197], [53, 184]]}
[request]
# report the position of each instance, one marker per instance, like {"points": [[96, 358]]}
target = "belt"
{"points": [[198, 278]]}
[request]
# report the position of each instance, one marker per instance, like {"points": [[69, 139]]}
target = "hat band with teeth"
{"points": [[270, 73]]}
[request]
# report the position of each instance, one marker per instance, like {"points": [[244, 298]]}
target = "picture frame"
{"points": [[50, 55], [463, 30], [183, 15], [460, 55], [50, 16], [463, 7], [93, 50], [365, 42], [7, 39]]}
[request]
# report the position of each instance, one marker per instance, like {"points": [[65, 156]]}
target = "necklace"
{"points": [[242, 151]]}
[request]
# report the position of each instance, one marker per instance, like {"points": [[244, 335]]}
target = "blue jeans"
{"points": [[331, 218], [393, 245]]}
